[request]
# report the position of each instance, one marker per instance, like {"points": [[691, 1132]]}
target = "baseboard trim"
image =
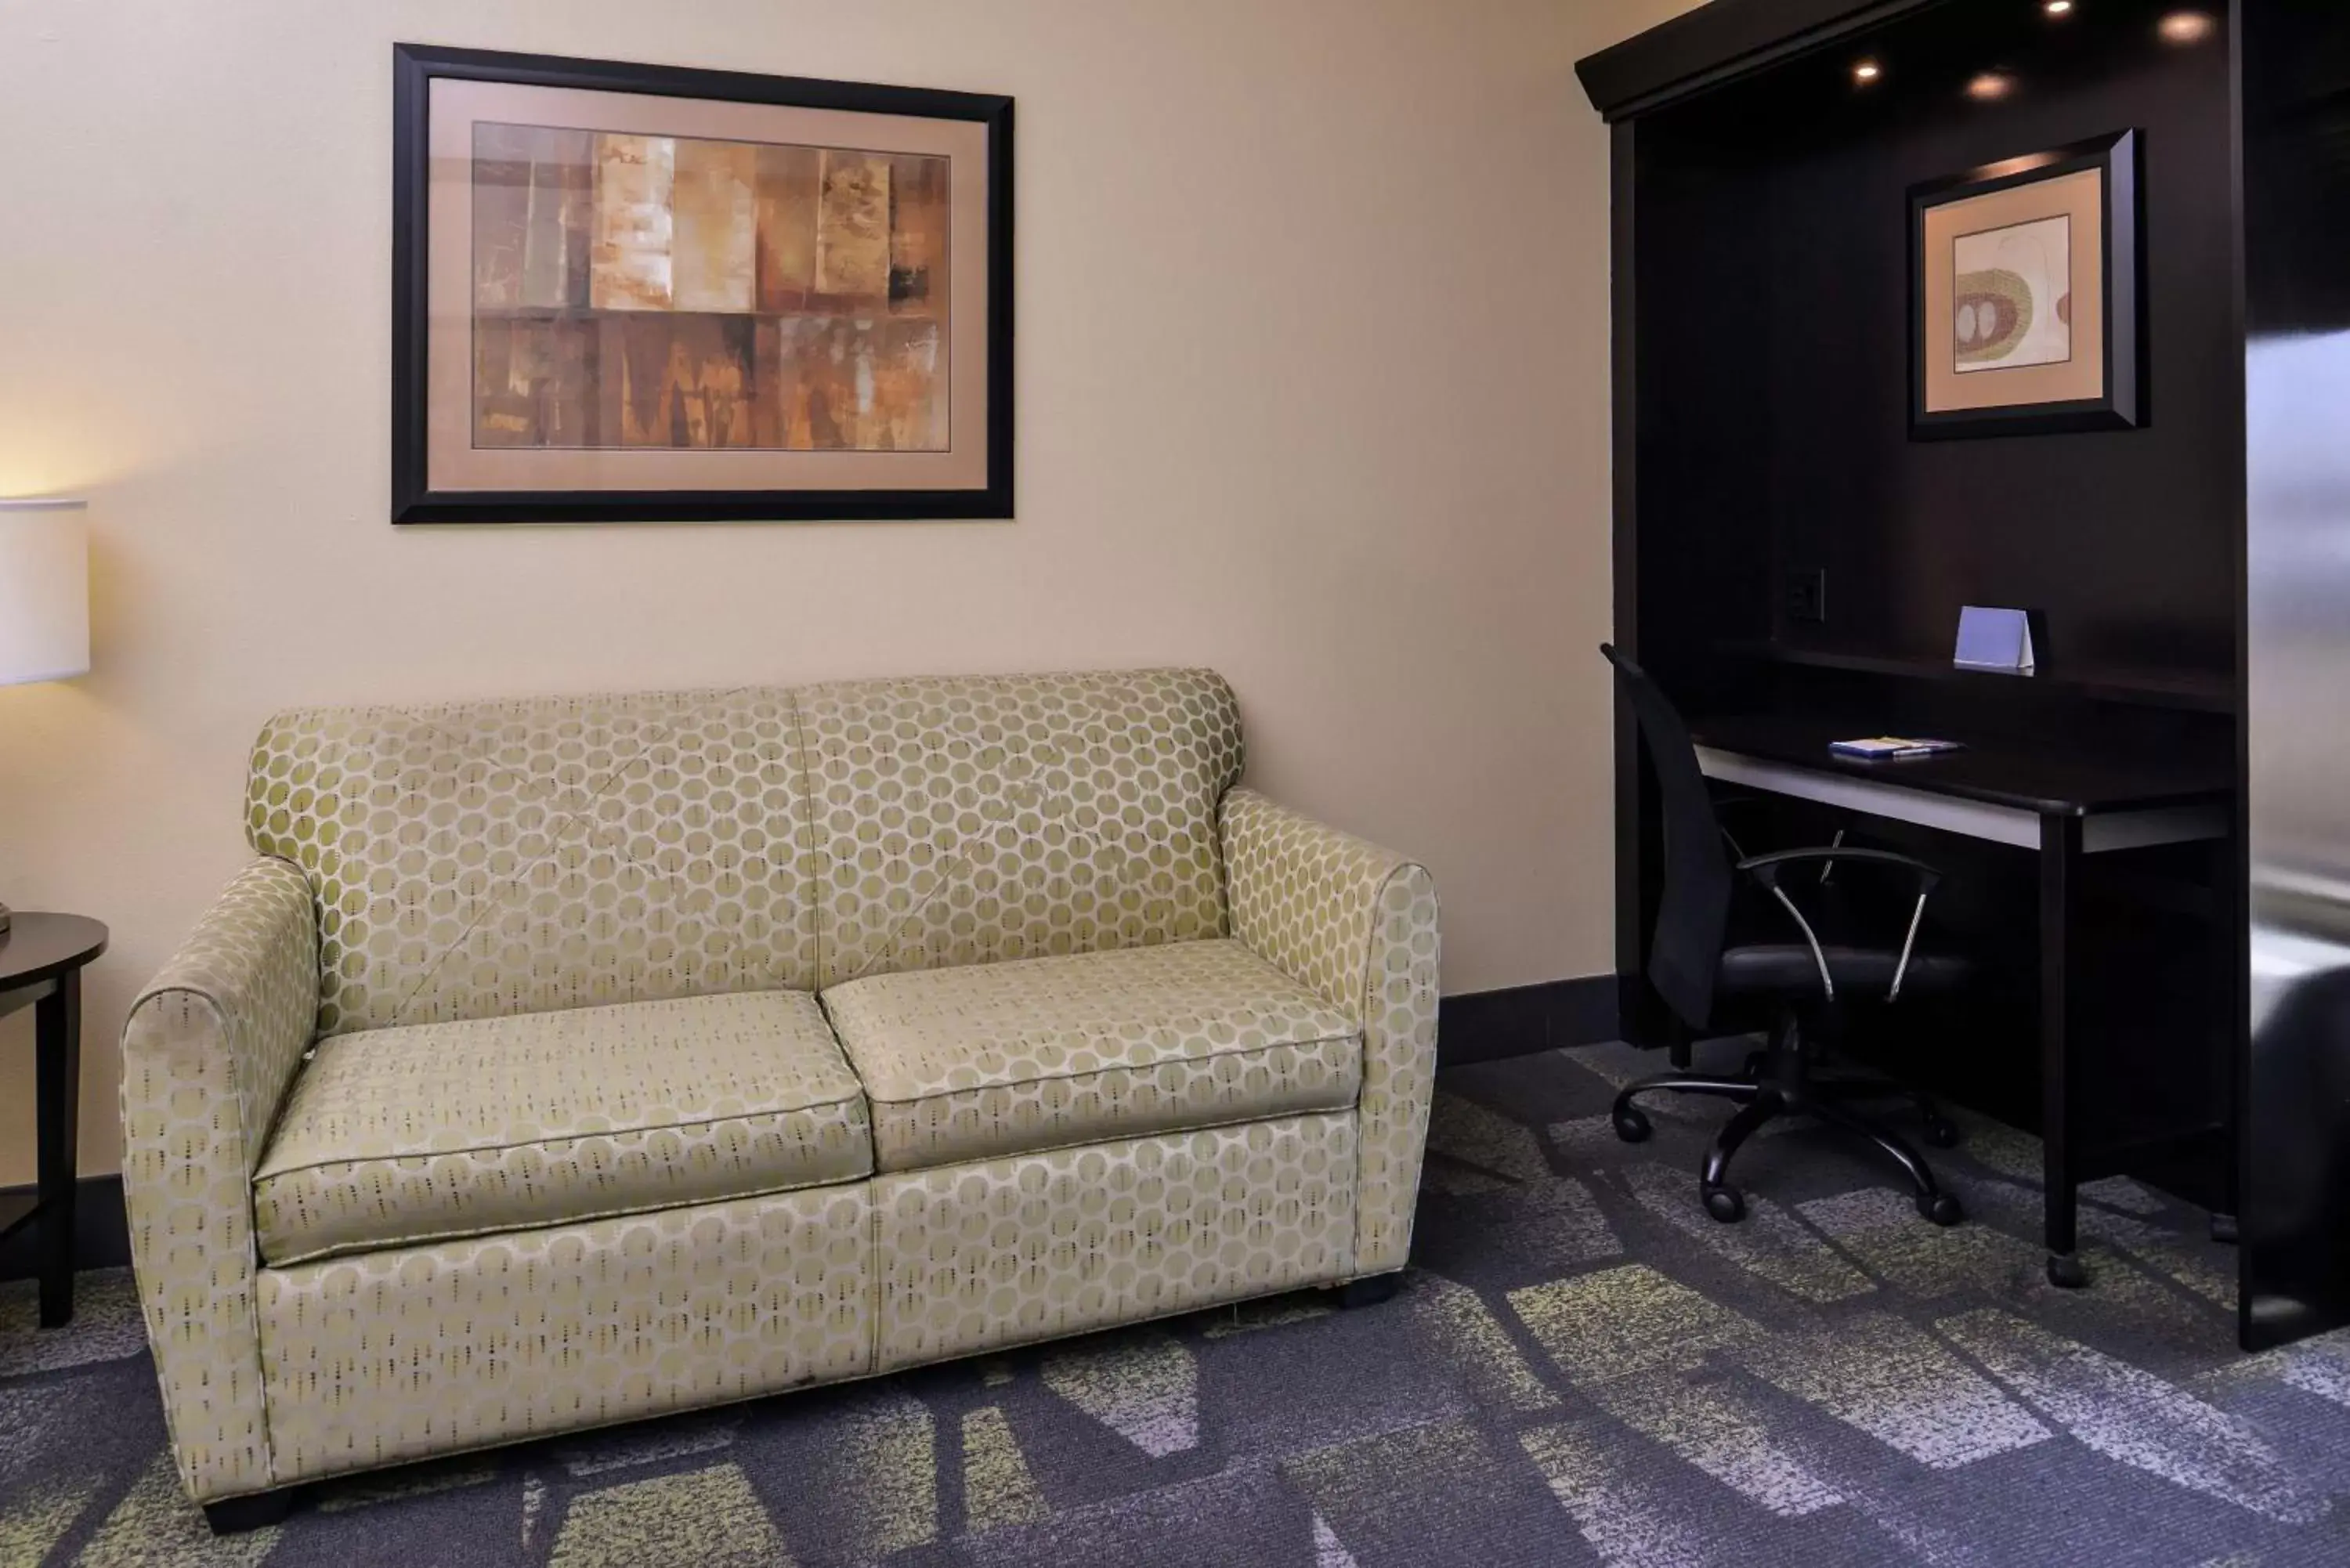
{"points": [[1489, 1026], [1480, 1026], [101, 1230]]}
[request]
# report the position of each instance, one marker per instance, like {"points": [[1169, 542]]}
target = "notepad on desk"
{"points": [[1886, 748]]}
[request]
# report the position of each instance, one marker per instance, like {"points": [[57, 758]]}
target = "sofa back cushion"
{"points": [[963, 820], [476, 859]]}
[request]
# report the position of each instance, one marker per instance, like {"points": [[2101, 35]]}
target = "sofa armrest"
{"points": [[208, 1053], [1357, 925]]}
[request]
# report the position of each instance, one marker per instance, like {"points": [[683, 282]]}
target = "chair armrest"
{"points": [[1356, 925], [1764, 870], [208, 1052]]}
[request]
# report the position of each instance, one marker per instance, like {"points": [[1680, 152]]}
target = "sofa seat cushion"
{"points": [[393, 1137], [1034, 1053]]}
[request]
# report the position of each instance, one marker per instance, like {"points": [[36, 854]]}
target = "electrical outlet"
{"points": [[1807, 594]]}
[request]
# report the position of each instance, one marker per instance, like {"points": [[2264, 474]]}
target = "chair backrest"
{"points": [[1693, 912], [474, 860]]}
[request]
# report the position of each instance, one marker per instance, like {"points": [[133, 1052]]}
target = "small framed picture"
{"points": [[2026, 295], [626, 293]]}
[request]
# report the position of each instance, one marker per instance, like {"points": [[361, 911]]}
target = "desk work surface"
{"points": [[2048, 782]]}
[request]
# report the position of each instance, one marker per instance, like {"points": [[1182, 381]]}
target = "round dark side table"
{"points": [[41, 960]]}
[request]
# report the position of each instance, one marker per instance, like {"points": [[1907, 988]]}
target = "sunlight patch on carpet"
{"points": [[2133, 1417], [1478, 1345], [711, 1518], [37, 1518], [1629, 1520], [998, 1487], [1623, 1322], [1769, 1243], [1145, 1388], [1900, 1386], [1722, 1434], [155, 1523]]}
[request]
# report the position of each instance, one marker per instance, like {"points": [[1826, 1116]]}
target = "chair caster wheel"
{"points": [[2064, 1271], [1632, 1125], [1941, 1208], [1942, 1134], [1724, 1204]]}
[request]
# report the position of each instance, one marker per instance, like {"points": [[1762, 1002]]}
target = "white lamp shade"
{"points": [[44, 591]]}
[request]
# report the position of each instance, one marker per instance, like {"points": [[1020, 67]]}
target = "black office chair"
{"points": [[1695, 962]]}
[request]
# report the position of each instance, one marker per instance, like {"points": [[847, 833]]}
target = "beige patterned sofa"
{"points": [[564, 1061]]}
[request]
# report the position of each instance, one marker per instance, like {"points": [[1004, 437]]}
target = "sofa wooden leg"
{"points": [[235, 1515], [1369, 1292]]}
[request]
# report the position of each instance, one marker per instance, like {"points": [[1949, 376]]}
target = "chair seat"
{"points": [[1784, 967], [393, 1137], [1004, 1058]]}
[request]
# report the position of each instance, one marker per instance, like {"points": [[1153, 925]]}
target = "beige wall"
{"points": [[1313, 388]]}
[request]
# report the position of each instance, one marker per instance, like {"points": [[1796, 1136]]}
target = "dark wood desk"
{"points": [[41, 960], [2060, 808]]}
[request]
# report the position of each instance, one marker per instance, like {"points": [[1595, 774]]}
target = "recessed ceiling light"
{"points": [[2186, 26], [1867, 71], [2058, 7], [1990, 86]]}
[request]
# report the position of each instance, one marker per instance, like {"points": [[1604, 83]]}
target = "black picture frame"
{"points": [[2119, 157], [414, 68]]}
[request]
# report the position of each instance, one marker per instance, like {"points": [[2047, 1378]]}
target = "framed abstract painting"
{"points": [[626, 293], [2027, 296]]}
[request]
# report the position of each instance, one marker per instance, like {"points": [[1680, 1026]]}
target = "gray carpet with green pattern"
{"points": [[1581, 1368]]}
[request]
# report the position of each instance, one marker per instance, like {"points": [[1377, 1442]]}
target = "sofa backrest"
{"points": [[471, 859], [962, 821], [480, 858]]}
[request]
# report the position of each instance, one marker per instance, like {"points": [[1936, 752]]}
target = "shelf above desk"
{"points": [[2146, 689]]}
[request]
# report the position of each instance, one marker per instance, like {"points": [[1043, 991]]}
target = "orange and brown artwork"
{"points": [[637, 291]]}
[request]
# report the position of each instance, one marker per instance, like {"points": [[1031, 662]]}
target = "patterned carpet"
{"points": [[1583, 1368]]}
